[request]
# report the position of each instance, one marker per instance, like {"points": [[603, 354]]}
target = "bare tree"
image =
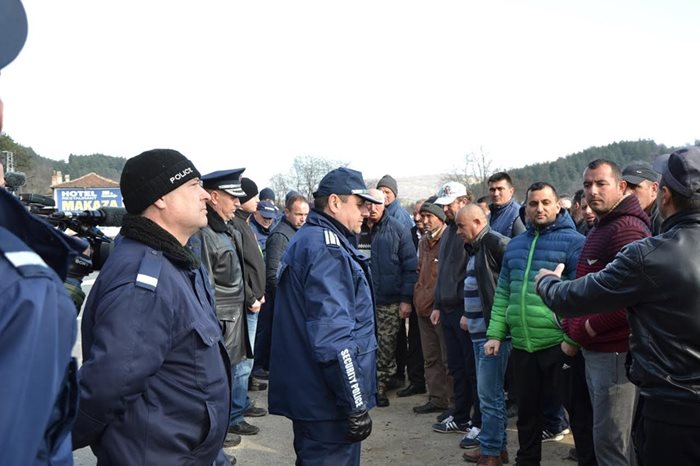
{"points": [[473, 173], [304, 175]]}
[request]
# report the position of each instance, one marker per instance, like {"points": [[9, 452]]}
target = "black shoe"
{"points": [[261, 374], [429, 407], [256, 385], [411, 390], [243, 428], [394, 383], [232, 440], [382, 400], [255, 412]]}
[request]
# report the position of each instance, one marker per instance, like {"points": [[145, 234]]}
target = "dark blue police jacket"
{"points": [[154, 381], [38, 385], [323, 355]]}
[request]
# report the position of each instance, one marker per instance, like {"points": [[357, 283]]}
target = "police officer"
{"points": [[323, 358], [38, 385], [155, 375], [38, 392], [223, 259]]}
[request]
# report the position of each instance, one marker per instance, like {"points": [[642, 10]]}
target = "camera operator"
{"points": [[38, 393]]}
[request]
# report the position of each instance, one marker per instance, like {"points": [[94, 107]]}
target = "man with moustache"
{"points": [[432, 338], [323, 359], [393, 259]]}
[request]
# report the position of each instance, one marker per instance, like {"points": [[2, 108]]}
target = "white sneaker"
{"points": [[548, 436], [471, 439], [448, 426]]}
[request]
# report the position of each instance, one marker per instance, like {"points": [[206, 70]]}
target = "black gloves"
{"points": [[359, 425]]}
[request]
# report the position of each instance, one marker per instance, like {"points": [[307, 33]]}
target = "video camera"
{"points": [[83, 223]]}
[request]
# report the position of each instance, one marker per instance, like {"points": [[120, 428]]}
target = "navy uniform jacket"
{"points": [[323, 357], [38, 385], [154, 381]]}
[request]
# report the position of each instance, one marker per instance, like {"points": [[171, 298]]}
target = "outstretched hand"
{"points": [[559, 269]]}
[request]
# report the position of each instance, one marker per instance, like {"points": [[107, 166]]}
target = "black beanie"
{"points": [[152, 174], [433, 209], [250, 188], [388, 181]]}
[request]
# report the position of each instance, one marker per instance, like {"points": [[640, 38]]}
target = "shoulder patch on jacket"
{"points": [[331, 238], [149, 271], [19, 255]]}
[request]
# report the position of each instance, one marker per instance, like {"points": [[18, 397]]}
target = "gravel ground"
{"points": [[399, 437]]}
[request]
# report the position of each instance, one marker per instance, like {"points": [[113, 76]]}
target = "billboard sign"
{"points": [[87, 199]]}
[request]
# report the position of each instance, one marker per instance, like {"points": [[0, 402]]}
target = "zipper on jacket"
{"points": [[523, 292]]}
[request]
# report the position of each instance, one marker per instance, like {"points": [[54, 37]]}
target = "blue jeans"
{"points": [[240, 373], [460, 362], [490, 373], [613, 398]]}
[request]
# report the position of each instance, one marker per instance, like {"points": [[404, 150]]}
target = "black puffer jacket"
{"points": [[452, 267], [658, 280]]}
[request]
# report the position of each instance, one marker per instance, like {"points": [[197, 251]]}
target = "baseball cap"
{"points": [[345, 181], [225, 180], [449, 192], [680, 171], [639, 171], [267, 209]]}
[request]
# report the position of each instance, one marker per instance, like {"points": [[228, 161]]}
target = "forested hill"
{"points": [[565, 172], [39, 169]]}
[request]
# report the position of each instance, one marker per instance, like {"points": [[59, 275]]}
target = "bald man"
{"points": [[486, 248]]}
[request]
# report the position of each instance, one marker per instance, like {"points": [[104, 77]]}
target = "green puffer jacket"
{"points": [[517, 308]]}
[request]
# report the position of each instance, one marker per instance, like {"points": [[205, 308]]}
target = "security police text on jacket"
{"points": [[323, 361]]}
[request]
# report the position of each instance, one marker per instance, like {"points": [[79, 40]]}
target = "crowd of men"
{"points": [[170, 329], [579, 317]]}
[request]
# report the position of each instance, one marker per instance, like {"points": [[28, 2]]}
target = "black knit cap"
{"points": [[388, 181], [250, 188], [434, 209], [153, 174]]}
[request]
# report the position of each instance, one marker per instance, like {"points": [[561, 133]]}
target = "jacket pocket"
{"points": [[208, 365], [212, 438], [65, 411]]}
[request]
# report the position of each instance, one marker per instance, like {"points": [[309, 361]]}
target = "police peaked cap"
{"points": [[225, 180]]}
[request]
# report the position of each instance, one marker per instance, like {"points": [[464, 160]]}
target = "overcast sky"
{"points": [[400, 87]]}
